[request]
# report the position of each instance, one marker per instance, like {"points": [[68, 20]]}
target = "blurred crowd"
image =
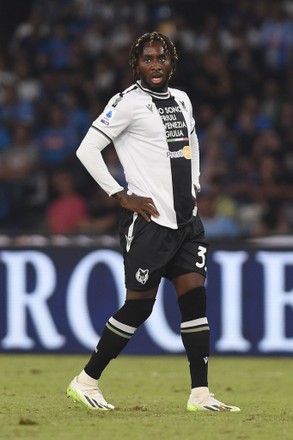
{"points": [[65, 61]]}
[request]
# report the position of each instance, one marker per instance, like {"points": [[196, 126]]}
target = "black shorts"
{"points": [[152, 251]]}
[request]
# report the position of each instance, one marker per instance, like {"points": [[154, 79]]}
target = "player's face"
{"points": [[154, 67]]}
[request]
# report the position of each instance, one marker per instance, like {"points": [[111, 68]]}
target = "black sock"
{"points": [[195, 334], [117, 333]]}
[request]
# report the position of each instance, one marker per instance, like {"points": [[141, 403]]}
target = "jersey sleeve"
{"points": [[89, 153], [116, 117]]}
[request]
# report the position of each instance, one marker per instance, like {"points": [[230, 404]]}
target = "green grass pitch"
{"points": [[150, 394]]}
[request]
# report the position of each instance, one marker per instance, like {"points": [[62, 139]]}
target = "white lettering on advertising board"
{"points": [[25, 302]]}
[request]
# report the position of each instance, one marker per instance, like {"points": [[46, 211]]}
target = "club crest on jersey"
{"points": [[142, 275]]}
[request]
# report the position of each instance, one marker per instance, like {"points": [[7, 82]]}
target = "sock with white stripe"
{"points": [[117, 333], [195, 334]]}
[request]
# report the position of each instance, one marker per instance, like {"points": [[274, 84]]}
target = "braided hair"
{"points": [[150, 37]]}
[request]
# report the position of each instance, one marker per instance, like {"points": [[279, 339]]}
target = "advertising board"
{"points": [[58, 299]]}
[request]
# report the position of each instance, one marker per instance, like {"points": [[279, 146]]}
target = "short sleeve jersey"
{"points": [[151, 134]]}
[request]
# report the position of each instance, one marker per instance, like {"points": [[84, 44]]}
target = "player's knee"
{"points": [[192, 304], [135, 311], [194, 327]]}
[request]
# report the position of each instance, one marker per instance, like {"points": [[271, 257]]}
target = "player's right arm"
{"points": [[90, 154], [114, 119]]}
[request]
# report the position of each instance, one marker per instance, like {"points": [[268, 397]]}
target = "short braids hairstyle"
{"points": [[150, 37]]}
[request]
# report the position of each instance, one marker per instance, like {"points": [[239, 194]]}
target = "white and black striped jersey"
{"points": [[155, 140]]}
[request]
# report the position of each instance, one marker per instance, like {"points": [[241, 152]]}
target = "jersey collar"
{"points": [[157, 95]]}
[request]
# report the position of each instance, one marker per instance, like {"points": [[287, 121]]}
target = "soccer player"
{"points": [[153, 131]]}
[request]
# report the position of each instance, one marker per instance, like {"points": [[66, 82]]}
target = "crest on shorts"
{"points": [[142, 275]]}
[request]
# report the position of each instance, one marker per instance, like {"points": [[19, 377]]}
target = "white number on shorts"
{"points": [[202, 254]]}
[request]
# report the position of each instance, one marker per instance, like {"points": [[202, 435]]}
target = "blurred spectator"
{"points": [[104, 76], [22, 183], [249, 122], [57, 49], [212, 83], [13, 108], [103, 214], [273, 99], [276, 37], [5, 138], [69, 211], [68, 208], [217, 224], [6, 75], [29, 34], [57, 139], [77, 114], [275, 191], [214, 164], [27, 86]]}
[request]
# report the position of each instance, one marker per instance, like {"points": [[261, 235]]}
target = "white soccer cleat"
{"points": [[88, 395], [202, 400]]}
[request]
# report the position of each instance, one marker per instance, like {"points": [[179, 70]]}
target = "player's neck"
{"points": [[158, 95]]}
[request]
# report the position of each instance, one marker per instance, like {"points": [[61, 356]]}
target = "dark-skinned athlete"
{"points": [[152, 128]]}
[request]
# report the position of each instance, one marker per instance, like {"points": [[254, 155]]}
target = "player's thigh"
{"points": [[146, 251], [148, 294], [191, 257], [186, 282]]}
